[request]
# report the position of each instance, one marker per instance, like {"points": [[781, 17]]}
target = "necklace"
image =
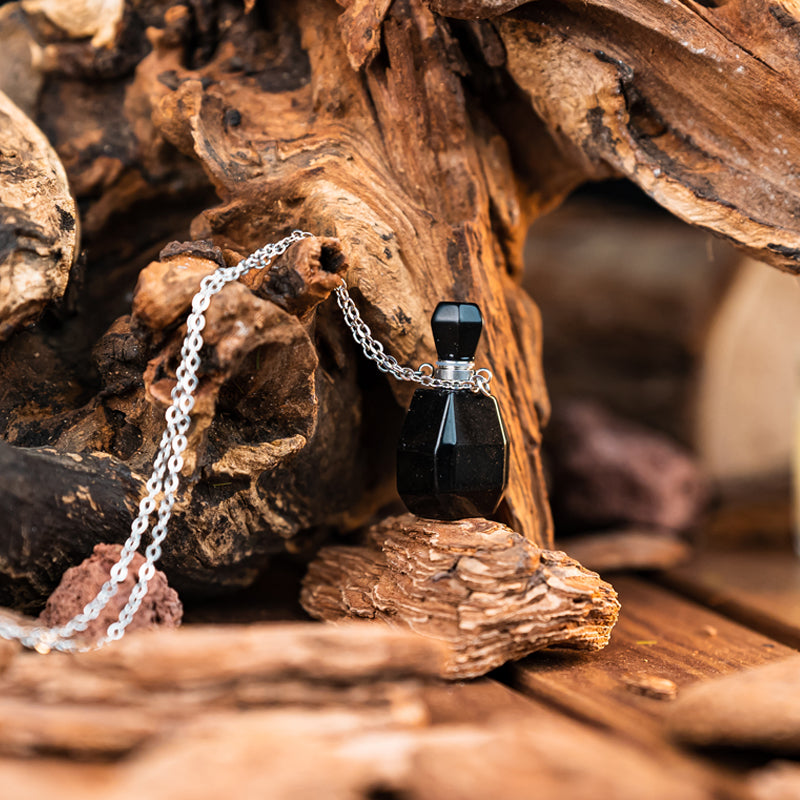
{"points": [[453, 372]]}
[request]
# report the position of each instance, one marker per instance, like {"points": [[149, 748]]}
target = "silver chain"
{"points": [[479, 381], [163, 483]]}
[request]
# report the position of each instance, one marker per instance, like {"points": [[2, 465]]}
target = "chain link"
{"points": [[479, 381], [162, 485]]}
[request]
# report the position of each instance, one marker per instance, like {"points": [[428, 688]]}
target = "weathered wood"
{"points": [[38, 221], [660, 635], [695, 104], [479, 587], [293, 432], [53, 507]]}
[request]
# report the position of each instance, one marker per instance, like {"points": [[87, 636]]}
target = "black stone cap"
{"points": [[456, 330]]}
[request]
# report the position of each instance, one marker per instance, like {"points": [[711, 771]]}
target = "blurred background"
{"points": [[666, 327]]}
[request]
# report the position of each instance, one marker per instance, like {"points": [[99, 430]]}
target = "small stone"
{"points": [[756, 708], [608, 472], [79, 585], [779, 780], [709, 630], [651, 686]]}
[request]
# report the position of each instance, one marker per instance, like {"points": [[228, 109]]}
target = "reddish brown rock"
{"points": [[161, 606], [608, 471]]}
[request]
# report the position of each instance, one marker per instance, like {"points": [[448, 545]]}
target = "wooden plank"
{"points": [[759, 587], [659, 635]]}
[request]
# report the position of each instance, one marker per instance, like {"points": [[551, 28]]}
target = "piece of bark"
{"points": [[38, 221], [608, 471], [160, 607], [486, 591], [757, 708], [628, 549], [150, 682], [267, 651]]}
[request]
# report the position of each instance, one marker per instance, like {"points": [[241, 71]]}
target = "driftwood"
{"points": [[293, 125], [481, 588], [424, 144]]}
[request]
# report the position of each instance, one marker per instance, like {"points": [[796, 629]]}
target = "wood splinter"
{"points": [[491, 595]]}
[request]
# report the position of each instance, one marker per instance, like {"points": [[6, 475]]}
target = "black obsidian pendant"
{"points": [[452, 459]]}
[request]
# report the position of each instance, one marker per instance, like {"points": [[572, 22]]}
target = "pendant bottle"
{"points": [[452, 458]]}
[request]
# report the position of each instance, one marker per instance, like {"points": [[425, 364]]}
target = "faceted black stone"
{"points": [[456, 330], [452, 460]]}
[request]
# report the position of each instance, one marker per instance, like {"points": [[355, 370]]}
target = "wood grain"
{"points": [[659, 634], [759, 587]]}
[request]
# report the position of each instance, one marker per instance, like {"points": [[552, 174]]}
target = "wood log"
{"points": [[476, 585], [46, 500]]}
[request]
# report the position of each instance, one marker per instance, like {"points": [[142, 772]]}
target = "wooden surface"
{"points": [[760, 587], [564, 724], [659, 634]]}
